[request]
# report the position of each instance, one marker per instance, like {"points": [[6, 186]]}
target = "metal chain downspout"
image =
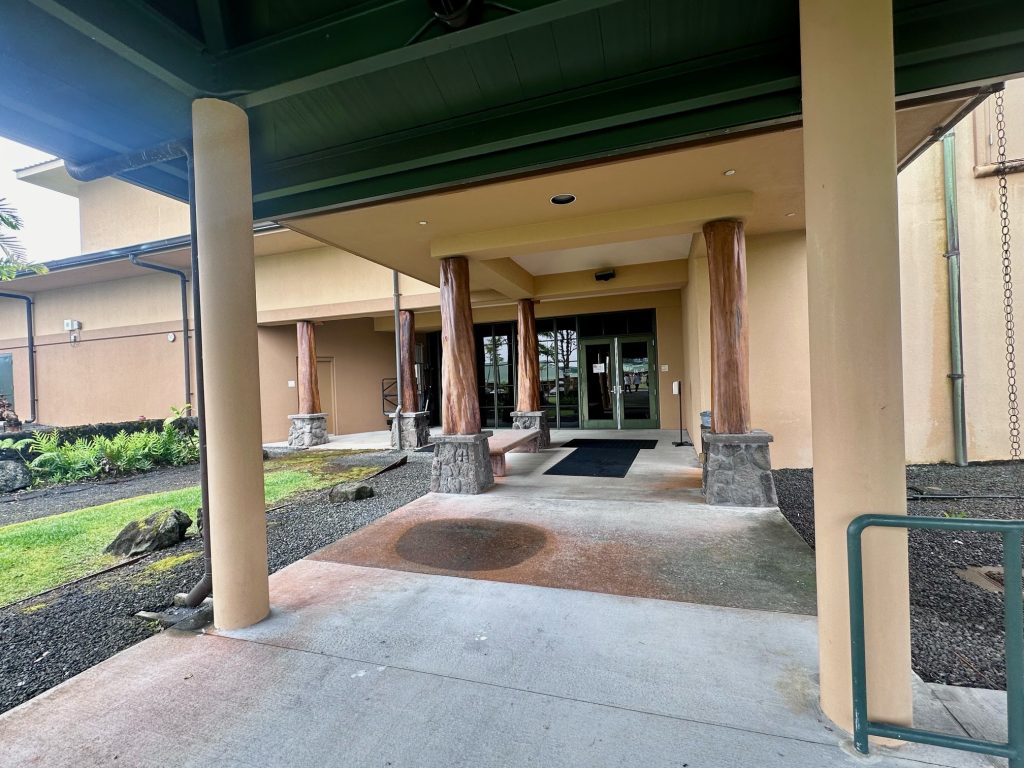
{"points": [[1013, 409]]}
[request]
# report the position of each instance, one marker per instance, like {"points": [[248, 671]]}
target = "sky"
{"points": [[51, 218]]}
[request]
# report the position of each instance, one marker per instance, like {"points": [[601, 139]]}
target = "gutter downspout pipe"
{"points": [[398, 360], [952, 256], [187, 358], [109, 166], [31, 345]]}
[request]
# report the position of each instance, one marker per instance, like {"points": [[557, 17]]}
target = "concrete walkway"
{"points": [[569, 657]]}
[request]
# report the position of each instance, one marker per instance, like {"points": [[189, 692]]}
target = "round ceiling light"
{"points": [[563, 199], [729, 172]]}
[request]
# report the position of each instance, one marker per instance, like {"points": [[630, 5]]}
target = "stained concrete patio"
{"points": [[567, 657]]}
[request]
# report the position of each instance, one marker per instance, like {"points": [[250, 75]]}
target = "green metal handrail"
{"points": [[1012, 532]]}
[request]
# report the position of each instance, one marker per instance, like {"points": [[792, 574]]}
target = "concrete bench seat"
{"points": [[501, 443]]}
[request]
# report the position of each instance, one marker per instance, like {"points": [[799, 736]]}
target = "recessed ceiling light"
{"points": [[729, 172], [423, 223], [791, 213], [563, 199]]}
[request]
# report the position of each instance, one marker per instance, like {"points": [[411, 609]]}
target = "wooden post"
{"points": [[309, 387], [460, 405], [528, 366], [407, 344], [730, 347]]}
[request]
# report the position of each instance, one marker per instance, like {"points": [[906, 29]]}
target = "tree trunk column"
{"points": [[407, 344], [462, 461], [727, 271], [309, 425], [238, 531], [309, 387], [853, 277], [737, 461], [528, 413], [411, 424], [460, 405]]}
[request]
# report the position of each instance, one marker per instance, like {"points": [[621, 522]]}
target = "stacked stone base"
{"points": [[414, 428], [533, 420], [462, 464], [738, 470], [307, 430]]}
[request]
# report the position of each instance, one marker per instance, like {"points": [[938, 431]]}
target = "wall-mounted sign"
{"points": [[598, 367]]}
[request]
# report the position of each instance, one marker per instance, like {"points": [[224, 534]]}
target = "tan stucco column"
{"points": [[460, 403], [855, 352], [238, 531], [309, 387]]}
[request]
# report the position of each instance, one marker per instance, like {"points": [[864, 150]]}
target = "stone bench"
{"points": [[503, 442]]}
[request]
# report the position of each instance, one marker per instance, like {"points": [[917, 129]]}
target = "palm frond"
{"points": [[9, 217]]}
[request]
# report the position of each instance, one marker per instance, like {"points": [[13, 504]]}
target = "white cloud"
{"points": [[51, 218]]}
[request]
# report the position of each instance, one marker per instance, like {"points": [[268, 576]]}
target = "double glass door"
{"points": [[619, 383]]}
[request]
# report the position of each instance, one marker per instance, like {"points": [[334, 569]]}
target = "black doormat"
{"points": [[628, 445], [596, 462]]}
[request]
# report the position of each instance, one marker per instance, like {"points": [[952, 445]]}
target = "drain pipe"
{"points": [[31, 345], [183, 278], [952, 256], [171, 150], [398, 360], [204, 587]]}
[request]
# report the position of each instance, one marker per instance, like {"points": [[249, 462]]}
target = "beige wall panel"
{"points": [[109, 380], [697, 380], [925, 311], [12, 320], [362, 357], [319, 276], [779, 358], [278, 350], [150, 298], [981, 270], [114, 213], [670, 354]]}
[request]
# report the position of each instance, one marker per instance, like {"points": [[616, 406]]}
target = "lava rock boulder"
{"points": [[349, 492], [160, 530], [14, 475]]}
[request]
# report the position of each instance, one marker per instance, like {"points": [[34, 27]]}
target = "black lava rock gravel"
{"points": [[957, 633], [47, 640]]}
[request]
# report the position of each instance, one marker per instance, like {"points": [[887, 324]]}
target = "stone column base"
{"points": [[415, 429], [307, 430], [462, 464], [533, 420], [738, 470]]}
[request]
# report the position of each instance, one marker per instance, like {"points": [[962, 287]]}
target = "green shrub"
{"points": [[123, 454]]}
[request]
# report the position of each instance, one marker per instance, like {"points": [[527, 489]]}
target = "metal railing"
{"points": [[1012, 532]]}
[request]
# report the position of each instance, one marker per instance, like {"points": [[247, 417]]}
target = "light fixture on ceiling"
{"points": [[563, 199], [729, 172], [790, 214], [423, 223]]}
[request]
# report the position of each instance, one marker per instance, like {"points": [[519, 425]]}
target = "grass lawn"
{"points": [[40, 554]]}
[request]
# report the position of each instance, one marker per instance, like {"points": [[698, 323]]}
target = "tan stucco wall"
{"points": [[361, 356], [779, 356], [123, 364], [113, 214], [923, 289], [924, 285], [779, 365], [321, 278]]}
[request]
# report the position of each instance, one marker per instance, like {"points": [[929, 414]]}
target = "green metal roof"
{"points": [[353, 101]]}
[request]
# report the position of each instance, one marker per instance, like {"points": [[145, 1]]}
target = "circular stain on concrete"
{"points": [[470, 544]]}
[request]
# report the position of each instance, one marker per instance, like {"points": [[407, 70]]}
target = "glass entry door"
{"points": [[620, 383]]}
